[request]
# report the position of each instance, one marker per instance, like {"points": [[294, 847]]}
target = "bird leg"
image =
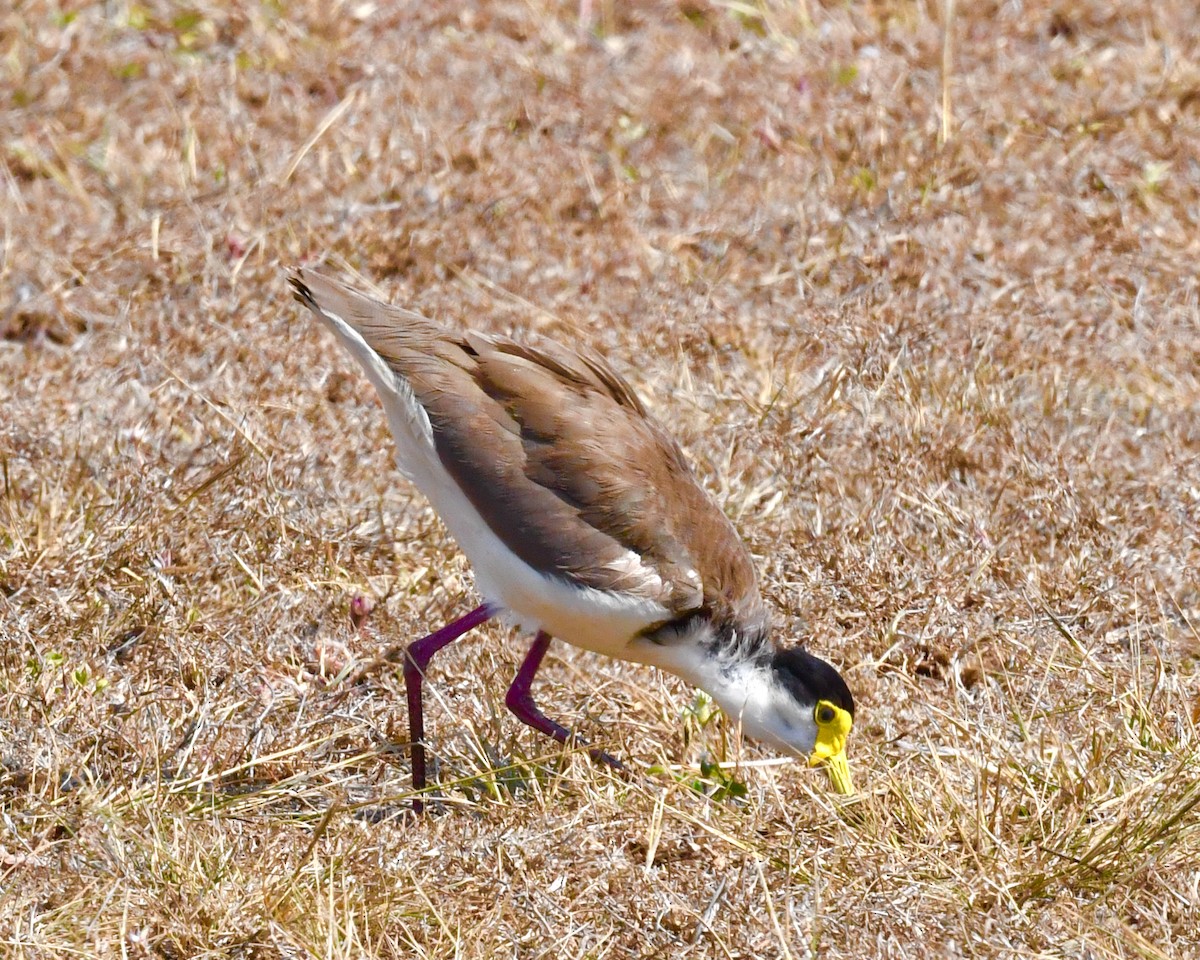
{"points": [[519, 700], [416, 659]]}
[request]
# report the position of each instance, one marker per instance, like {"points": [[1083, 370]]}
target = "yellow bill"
{"points": [[839, 773], [833, 727]]}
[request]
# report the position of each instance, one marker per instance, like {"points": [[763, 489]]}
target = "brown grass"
{"points": [[949, 392]]}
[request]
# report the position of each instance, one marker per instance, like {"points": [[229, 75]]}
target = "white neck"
{"points": [[741, 683]]}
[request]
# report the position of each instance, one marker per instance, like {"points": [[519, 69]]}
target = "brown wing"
{"points": [[560, 457]]}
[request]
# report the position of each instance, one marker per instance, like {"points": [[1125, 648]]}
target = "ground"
{"points": [[914, 283]]}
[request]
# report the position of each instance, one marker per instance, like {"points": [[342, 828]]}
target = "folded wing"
{"points": [[560, 458]]}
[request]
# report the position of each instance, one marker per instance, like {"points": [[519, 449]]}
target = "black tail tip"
{"points": [[300, 290]]}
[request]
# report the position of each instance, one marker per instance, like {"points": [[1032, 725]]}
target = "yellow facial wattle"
{"points": [[833, 728]]}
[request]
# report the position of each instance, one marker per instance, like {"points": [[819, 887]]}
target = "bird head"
{"points": [[806, 710]]}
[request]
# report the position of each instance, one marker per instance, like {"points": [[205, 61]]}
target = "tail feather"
{"points": [[387, 329], [375, 333]]}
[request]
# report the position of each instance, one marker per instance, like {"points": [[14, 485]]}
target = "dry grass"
{"points": [[950, 393]]}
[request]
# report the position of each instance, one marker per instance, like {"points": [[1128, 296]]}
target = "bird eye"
{"points": [[825, 714]]}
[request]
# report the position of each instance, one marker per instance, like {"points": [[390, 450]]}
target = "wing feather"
{"points": [[560, 457]]}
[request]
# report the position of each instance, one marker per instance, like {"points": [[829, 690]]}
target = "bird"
{"points": [[582, 521]]}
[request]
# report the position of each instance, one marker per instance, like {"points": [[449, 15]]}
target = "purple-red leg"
{"points": [[416, 659], [519, 700]]}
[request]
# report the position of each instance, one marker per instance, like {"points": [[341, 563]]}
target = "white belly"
{"points": [[593, 619]]}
